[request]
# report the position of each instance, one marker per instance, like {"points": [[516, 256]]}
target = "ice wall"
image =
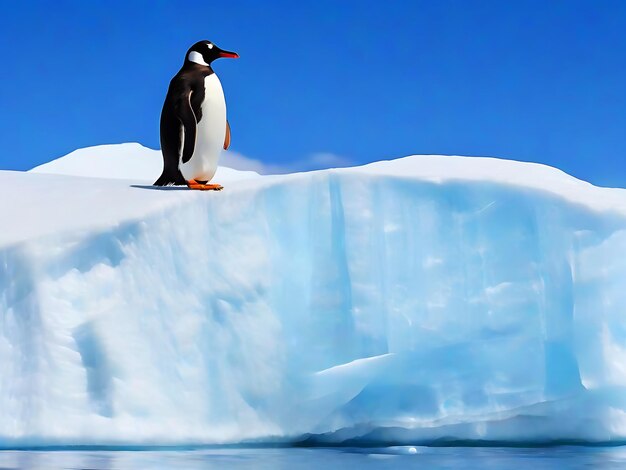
{"points": [[329, 306]]}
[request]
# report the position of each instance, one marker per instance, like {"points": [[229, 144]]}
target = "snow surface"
{"points": [[400, 302]]}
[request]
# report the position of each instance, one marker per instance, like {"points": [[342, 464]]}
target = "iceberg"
{"points": [[423, 300]]}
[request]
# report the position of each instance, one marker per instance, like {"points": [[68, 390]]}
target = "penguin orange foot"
{"points": [[193, 184]]}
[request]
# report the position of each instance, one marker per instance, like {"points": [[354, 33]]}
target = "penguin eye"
{"points": [[210, 45]]}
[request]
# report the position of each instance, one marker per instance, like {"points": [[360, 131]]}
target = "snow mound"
{"points": [[408, 301], [131, 161]]}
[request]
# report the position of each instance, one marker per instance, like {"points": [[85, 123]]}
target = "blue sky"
{"points": [[328, 82]]}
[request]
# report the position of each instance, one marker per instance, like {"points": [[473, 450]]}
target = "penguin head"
{"points": [[205, 52]]}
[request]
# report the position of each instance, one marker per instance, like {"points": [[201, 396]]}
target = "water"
{"points": [[566, 457]]}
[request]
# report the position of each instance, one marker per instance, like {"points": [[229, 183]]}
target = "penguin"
{"points": [[194, 128]]}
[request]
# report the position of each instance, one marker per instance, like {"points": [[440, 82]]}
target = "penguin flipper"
{"points": [[227, 137], [187, 117]]}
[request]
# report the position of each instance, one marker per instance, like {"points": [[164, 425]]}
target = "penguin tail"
{"points": [[171, 178]]}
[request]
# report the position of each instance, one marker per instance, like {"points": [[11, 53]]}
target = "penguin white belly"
{"points": [[210, 133]]}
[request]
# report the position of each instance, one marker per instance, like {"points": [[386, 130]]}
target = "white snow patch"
{"points": [[130, 161]]}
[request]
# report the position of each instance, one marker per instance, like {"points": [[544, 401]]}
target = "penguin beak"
{"points": [[229, 55]]}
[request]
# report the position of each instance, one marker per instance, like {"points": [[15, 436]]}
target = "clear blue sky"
{"points": [[540, 81]]}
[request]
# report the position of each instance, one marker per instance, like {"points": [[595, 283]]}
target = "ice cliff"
{"points": [[408, 301]]}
